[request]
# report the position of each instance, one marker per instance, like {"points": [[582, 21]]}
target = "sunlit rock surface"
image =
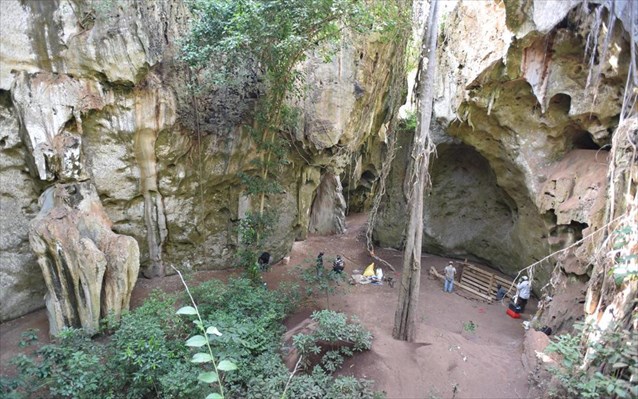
{"points": [[89, 271], [94, 94], [522, 143]]}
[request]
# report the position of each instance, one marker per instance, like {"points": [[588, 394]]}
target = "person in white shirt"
{"points": [[338, 264], [449, 272], [523, 290]]}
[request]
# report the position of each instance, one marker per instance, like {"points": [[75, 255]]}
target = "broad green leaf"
{"points": [[214, 395], [201, 358], [196, 341], [619, 365], [187, 310], [226, 365], [208, 377], [213, 330]]}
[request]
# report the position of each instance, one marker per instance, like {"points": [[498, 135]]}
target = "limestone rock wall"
{"points": [[522, 145], [92, 93], [21, 283]]}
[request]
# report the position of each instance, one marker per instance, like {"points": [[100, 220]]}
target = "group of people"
{"points": [[523, 288], [337, 265]]}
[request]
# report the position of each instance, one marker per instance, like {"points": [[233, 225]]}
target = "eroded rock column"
{"points": [[89, 270]]}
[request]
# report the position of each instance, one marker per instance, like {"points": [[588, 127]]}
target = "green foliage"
{"points": [[271, 33], [251, 319], [612, 358], [334, 332], [470, 326], [205, 356], [254, 229], [67, 369], [145, 358], [408, 124], [625, 261], [156, 353], [29, 337], [140, 360], [318, 279]]}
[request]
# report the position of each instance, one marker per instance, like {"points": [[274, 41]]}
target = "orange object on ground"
{"points": [[513, 314]]}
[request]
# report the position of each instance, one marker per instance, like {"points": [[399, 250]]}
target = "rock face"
{"points": [[89, 271], [328, 209], [522, 154], [99, 99], [21, 283]]}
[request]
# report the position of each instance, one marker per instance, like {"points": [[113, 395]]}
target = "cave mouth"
{"points": [[580, 139], [560, 102], [473, 214], [359, 196], [562, 235]]}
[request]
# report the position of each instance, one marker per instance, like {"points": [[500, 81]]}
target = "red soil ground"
{"points": [[445, 361]]}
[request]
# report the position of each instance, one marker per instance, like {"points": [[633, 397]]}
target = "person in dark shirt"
{"points": [[500, 292], [264, 261], [319, 265]]}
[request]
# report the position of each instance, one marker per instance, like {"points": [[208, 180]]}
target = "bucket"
{"points": [[513, 314]]}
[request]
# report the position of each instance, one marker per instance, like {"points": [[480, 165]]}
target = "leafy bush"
{"points": [[71, 368], [613, 364], [139, 360], [146, 356], [319, 280], [334, 336]]}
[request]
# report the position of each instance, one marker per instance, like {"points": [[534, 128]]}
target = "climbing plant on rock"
{"points": [[268, 39]]}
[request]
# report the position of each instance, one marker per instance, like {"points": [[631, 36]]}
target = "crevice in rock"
{"points": [[327, 213], [580, 138]]}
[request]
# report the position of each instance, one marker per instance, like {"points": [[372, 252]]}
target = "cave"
{"points": [[579, 138], [472, 213]]}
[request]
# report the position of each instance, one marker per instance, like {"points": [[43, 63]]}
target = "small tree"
{"points": [[319, 279], [268, 38], [418, 178]]}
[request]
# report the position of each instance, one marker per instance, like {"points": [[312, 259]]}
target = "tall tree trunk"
{"points": [[417, 178]]}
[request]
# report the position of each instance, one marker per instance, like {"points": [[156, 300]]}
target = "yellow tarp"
{"points": [[369, 271]]}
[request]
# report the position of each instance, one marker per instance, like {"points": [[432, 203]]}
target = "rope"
{"points": [[533, 265]]}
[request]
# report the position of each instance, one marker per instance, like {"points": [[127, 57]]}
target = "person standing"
{"points": [[523, 290], [450, 272], [319, 265]]}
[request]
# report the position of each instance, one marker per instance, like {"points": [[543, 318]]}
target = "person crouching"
{"points": [[338, 265]]}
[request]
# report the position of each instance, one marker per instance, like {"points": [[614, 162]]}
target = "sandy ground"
{"points": [[445, 361]]}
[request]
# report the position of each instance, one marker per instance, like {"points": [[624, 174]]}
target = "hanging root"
{"points": [[385, 171]]}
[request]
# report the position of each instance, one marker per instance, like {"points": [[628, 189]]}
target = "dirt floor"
{"points": [[445, 362]]}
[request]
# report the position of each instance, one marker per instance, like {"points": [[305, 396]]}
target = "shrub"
{"points": [[613, 363], [146, 356], [137, 361], [335, 337], [69, 368]]}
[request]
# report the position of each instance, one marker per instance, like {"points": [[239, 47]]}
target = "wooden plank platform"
{"points": [[462, 286], [479, 282], [484, 281]]}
